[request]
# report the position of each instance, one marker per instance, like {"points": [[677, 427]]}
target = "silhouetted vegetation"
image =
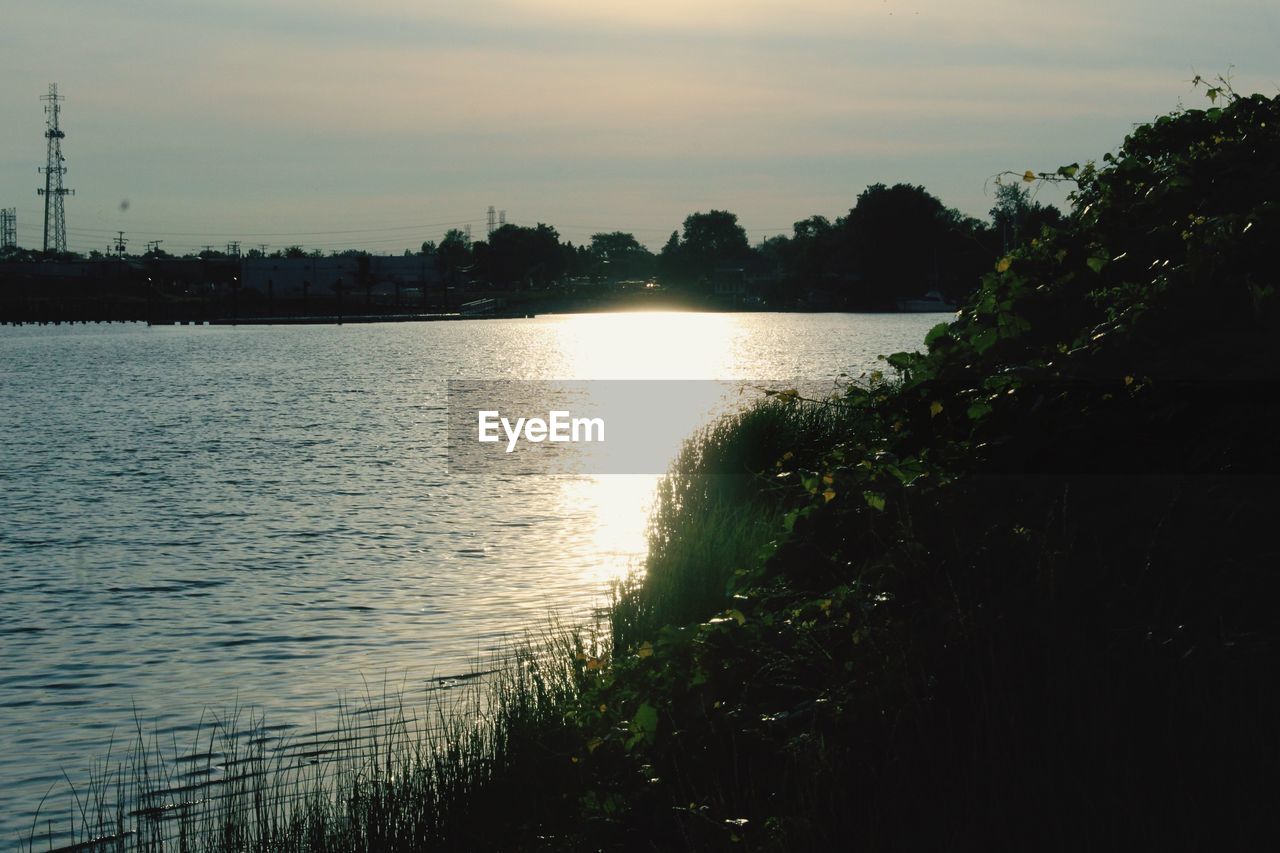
{"points": [[1021, 592], [1016, 592], [896, 242]]}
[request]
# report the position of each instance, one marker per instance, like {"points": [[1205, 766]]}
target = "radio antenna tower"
{"points": [[55, 223], [8, 228]]}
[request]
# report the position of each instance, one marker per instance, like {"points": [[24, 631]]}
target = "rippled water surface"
{"points": [[195, 517]]}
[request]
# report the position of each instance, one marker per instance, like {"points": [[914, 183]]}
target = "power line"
{"points": [[383, 230]]}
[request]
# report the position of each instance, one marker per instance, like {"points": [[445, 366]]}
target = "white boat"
{"points": [[931, 301]]}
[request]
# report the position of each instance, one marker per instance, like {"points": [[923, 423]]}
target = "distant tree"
{"points": [[578, 259], [1017, 218], [773, 250], [16, 253], [518, 255], [619, 255], [810, 252], [896, 241], [894, 235], [295, 252], [670, 261], [454, 256], [428, 248], [711, 240]]}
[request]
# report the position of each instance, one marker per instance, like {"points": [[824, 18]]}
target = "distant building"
{"points": [[288, 278]]}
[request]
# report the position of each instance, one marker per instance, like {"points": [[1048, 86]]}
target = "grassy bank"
{"points": [[1016, 593]]}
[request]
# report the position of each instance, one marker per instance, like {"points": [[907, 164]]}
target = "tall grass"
{"points": [[715, 513], [465, 768]]}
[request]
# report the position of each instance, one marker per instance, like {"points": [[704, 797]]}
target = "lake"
{"points": [[196, 517]]}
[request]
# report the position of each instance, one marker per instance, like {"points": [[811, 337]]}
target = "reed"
{"points": [[460, 765]]}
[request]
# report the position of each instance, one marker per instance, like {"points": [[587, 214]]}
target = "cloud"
{"points": [[283, 114]]}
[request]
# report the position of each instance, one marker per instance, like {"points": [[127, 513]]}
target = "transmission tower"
{"points": [[55, 223], [8, 228], [492, 219], [502, 218], [466, 233]]}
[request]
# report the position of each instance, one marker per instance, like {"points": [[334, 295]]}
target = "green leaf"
{"points": [[984, 340], [644, 722], [979, 410], [901, 361], [1097, 262], [1069, 171], [937, 333], [790, 519], [875, 500]]}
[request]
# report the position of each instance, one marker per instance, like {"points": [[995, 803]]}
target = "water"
{"points": [[195, 517]]}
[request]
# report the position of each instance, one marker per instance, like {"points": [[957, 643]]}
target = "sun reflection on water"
{"points": [[648, 345], [637, 345]]}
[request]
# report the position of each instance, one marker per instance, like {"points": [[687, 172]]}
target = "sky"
{"points": [[381, 124]]}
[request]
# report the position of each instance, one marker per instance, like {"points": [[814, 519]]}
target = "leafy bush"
{"points": [[1020, 596]]}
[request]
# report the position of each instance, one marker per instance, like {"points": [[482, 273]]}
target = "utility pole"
{"points": [[55, 223], [153, 246], [121, 242], [9, 228]]}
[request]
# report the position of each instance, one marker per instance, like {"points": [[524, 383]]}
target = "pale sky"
{"points": [[377, 125]]}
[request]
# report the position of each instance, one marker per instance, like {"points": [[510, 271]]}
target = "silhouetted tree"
{"points": [[620, 255], [894, 234], [454, 255], [670, 266], [1016, 218], [710, 240], [516, 254]]}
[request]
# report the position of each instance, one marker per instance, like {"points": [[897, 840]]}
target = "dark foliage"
{"points": [[1025, 598]]}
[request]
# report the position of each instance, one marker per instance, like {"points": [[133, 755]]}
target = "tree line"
{"points": [[896, 241]]}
